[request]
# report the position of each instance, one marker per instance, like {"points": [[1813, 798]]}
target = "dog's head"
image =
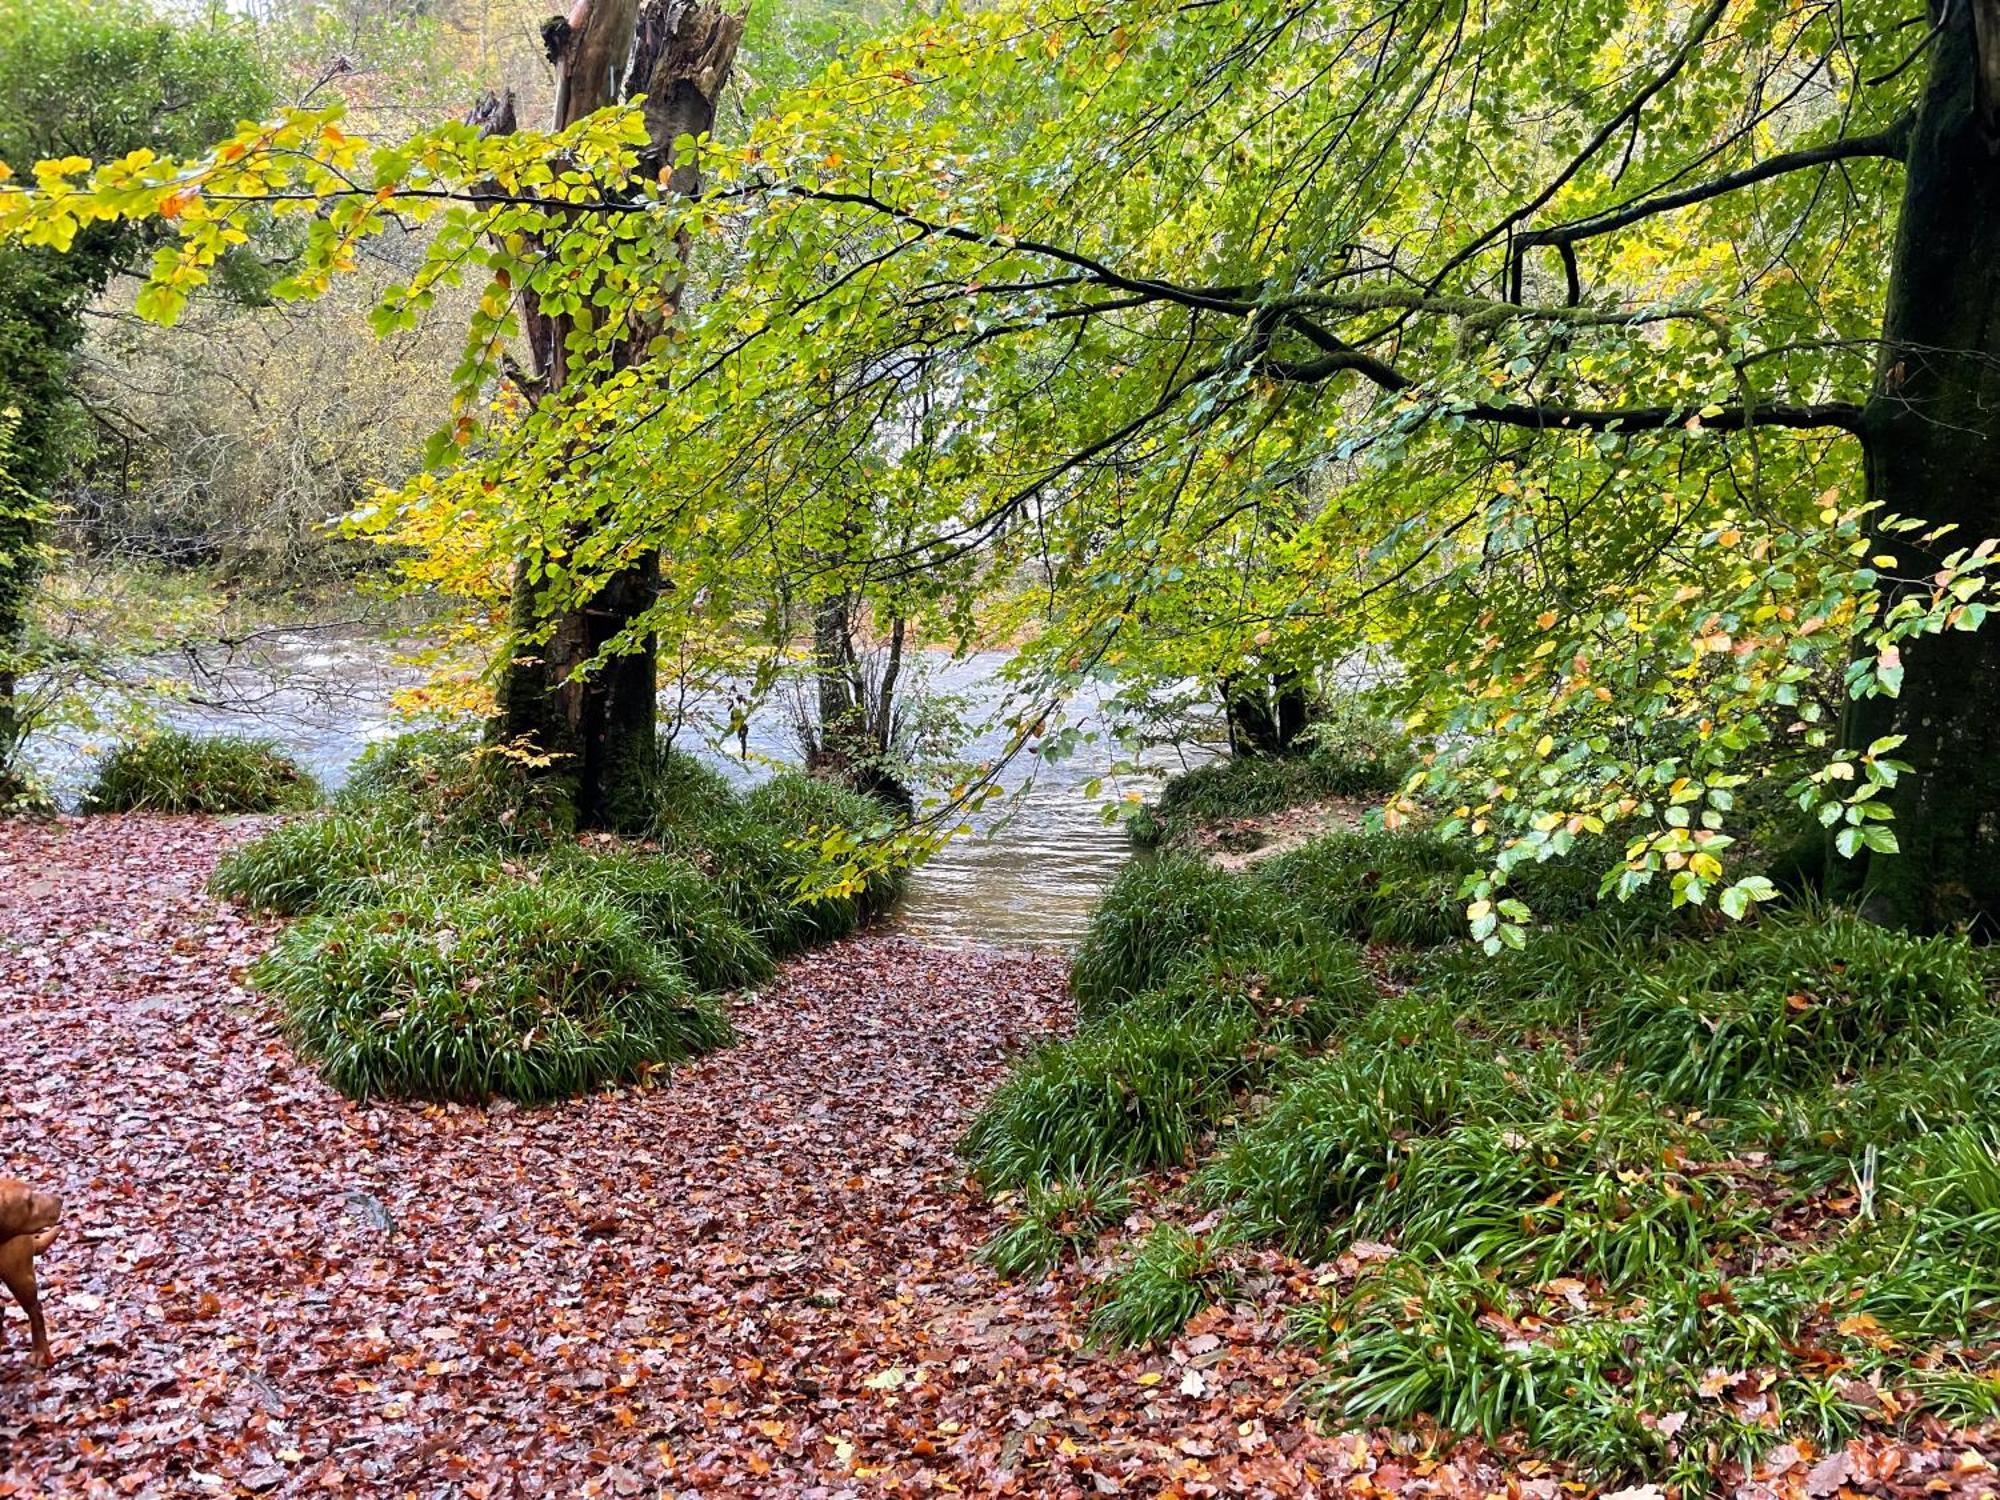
{"points": [[23, 1210]]}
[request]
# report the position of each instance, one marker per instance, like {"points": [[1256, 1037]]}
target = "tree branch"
{"points": [[1889, 143]]}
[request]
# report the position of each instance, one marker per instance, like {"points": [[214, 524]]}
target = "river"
{"points": [[1026, 876]]}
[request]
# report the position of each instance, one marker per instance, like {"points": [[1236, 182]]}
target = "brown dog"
{"points": [[27, 1226]]}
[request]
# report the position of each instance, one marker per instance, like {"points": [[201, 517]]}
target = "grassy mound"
{"points": [[1159, 915], [458, 945], [1378, 887], [532, 991], [1653, 1193], [313, 864], [675, 908], [1790, 1001], [173, 772], [1351, 754]]}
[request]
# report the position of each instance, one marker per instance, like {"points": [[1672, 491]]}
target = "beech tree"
{"points": [[1637, 363]]}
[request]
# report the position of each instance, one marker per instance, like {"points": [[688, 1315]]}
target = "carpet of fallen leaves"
{"points": [[757, 1278]]}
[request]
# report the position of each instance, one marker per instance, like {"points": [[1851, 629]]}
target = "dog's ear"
{"points": [[17, 1207]]}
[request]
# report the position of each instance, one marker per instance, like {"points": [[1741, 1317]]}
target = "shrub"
{"points": [[531, 991], [675, 907], [1137, 1089], [1162, 914], [1342, 1127], [409, 764], [1350, 752], [1606, 1193], [1379, 887], [1794, 1000], [1303, 992], [1053, 1222], [1444, 1340], [760, 871], [1556, 982], [174, 772], [814, 810], [310, 864], [687, 796], [445, 789], [1173, 1275]]}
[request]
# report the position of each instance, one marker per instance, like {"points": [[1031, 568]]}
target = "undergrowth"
{"points": [[170, 771], [1654, 1192], [458, 941], [1350, 753]]}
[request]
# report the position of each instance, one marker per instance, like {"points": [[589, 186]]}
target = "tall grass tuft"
{"points": [[675, 908], [311, 864], [1161, 915], [1379, 887], [530, 991], [1138, 1089], [173, 772], [1794, 1000]]}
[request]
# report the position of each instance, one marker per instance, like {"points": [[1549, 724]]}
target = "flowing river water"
{"points": [[1026, 876]]}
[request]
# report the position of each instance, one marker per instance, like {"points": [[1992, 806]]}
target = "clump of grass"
{"points": [[173, 772], [1794, 1000], [1164, 914], [1445, 1340], [1345, 1125], [1608, 1194], [1553, 984], [1138, 1089], [408, 765], [1174, 1274], [1379, 887], [676, 908], [1054, 1221], [1350, 753], [530, 991], [1303, 992], [686, 797], [310, 864]]}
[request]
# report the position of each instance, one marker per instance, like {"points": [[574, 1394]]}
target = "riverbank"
{"points": [[760, 1276]]}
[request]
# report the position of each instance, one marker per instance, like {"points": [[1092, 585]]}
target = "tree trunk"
{"points": [[1266, 717], [599, 725], [857, 723], [1932, 431]]}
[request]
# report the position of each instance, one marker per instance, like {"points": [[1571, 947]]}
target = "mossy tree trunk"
{"points": [[1932, 434], [597, 724]]}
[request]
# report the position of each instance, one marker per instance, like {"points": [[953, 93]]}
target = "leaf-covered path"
{"points": [[758, 1278]]}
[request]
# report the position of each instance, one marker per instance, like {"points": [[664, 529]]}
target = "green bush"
{"points": [[675, 907], [760, 870], [1350, 752], [531, 991], [1379, 887], [687, 796], [173, 772], [1137, 1089], [408, 765], [1303, 992], [1163, 914], [1053, 1222], [1609, 1194], [1794, 1000], [1345, 1125], [1443, 1340], [1173, 1275], [320, 863]]}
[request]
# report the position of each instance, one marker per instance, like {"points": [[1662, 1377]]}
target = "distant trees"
{"points": [[87, 79]]}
